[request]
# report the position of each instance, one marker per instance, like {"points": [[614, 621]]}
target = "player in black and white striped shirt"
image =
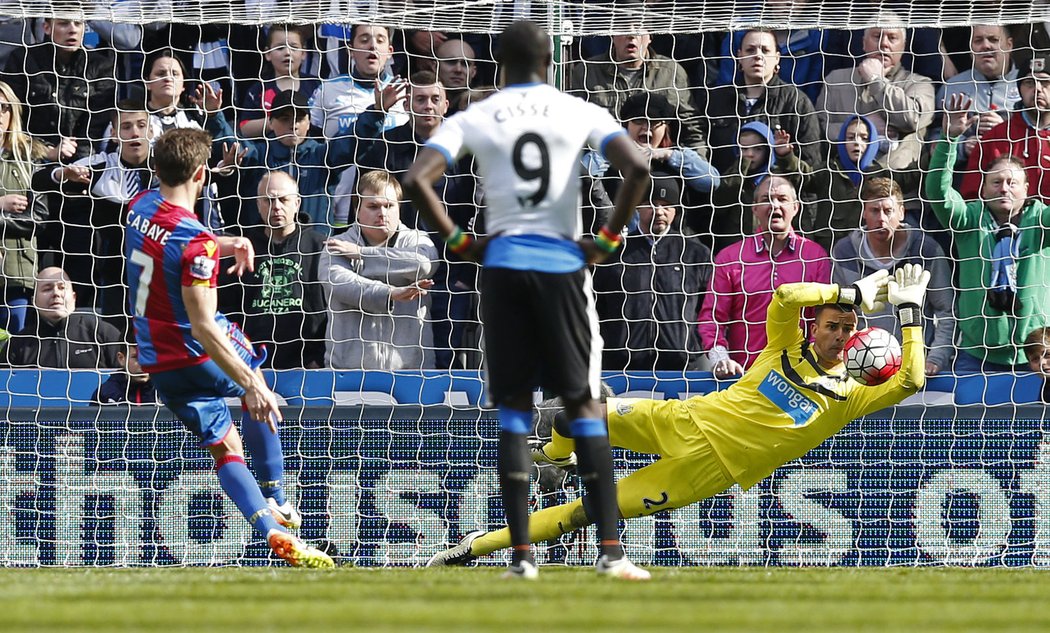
{"points": [[541, 327]]}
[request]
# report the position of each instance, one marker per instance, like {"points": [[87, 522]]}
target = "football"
{"points": [[872, 356]]}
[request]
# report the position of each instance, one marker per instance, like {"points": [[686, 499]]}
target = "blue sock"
{"points": [[267, 457], [239, 485], [514, 421]]}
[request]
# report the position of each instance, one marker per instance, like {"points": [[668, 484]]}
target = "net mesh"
{"points": [[391, 486]]}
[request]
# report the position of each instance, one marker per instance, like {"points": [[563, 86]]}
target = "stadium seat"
{"points": [[48, 388], [343, 398], [995, 389]]}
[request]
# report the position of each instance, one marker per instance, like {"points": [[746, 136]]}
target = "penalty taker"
{"points": [[796, 395]]}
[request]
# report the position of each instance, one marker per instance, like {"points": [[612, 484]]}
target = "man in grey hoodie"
{"points": [[885, 241], [376, 276]]}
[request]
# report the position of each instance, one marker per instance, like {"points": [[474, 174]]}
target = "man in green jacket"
{"points": [[1003, 244]]}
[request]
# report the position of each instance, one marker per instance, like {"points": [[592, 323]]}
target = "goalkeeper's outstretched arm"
{"points": [[788, 300], [906, 291]]}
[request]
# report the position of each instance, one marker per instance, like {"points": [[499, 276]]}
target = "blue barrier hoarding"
{"points": [[392, 485]]}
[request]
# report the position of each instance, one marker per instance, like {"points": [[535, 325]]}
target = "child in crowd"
{"points": [[1037, 350], [285, 52], [130, 386], [731, 219], [834, 187]]}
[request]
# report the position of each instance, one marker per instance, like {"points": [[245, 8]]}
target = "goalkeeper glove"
{"points": [[907, 291], [868, 292]]}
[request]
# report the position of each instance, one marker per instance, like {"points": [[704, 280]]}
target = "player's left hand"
{"points": [[871, 291], [262, 404], [591, 252], [388, 96], [207, 98], [243, 257], [909, 285], [476, 251]]}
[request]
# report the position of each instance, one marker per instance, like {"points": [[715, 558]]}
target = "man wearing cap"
{"points": [[314, 164], [651, 123], [649, 293], [1026, 134]]}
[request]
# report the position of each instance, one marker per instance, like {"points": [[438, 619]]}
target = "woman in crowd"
{"points": [[758, 94], [19, 212]]}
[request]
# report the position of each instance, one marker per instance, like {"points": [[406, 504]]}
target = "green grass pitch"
{"points": [[564, 599]]}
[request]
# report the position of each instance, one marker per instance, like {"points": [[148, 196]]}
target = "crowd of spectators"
{"points": [[778, 156]]}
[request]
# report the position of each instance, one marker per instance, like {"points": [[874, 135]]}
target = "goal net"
{"points": [[392, 465]]}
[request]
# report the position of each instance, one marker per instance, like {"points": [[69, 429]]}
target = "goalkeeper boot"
{"points": [[296, 553], [620, 568], [458, 555], [286, 515], [540, 456], [521, 570]]}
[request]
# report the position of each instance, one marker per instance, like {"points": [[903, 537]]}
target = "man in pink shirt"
{"points": [[733, 317]]}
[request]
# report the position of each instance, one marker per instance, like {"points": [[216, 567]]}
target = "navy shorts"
{"points": [[197, 395]]}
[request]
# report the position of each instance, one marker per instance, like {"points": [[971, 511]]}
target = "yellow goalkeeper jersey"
{"points": [[786, 404]]}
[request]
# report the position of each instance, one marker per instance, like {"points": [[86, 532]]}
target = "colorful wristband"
{"points": [[458, 241], [607, 241]]}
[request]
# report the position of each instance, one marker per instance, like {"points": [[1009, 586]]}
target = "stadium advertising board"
{"points": [[393, 485]]}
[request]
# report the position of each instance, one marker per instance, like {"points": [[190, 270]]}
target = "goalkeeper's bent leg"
{"points": [[561, 444], [544, 525], [665, 484]]}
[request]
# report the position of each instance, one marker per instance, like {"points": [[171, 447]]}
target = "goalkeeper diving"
{"points": [[796, 395]]}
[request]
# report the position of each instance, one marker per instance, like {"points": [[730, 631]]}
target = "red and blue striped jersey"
{"points": [[166, 248]]}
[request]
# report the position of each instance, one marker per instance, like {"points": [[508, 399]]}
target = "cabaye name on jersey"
{"points": [[148, 229]]}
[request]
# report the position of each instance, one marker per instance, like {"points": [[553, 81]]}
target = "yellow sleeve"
{"points": [[909, 380], [782, 317]]}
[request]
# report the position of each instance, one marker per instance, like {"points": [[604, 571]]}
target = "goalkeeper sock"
{"points": [[596, 470], [239, 485], [544, 525], [514, 469], [560, 446], [267, 456]]}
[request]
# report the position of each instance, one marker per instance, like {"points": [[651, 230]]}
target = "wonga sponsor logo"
{"points": [[787, 398]]}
